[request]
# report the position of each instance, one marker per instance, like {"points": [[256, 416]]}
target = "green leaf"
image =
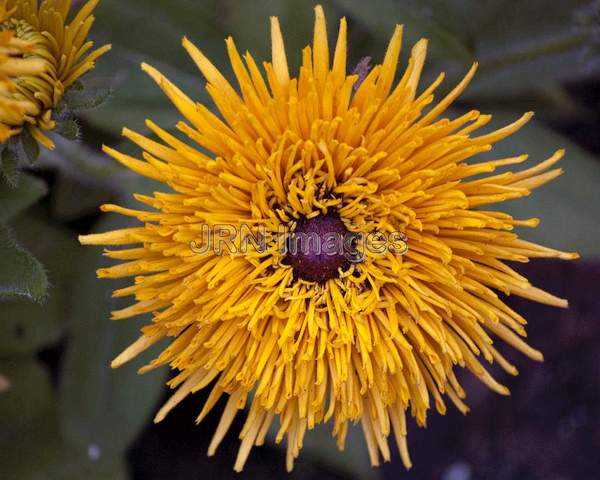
{"points": [[85, 178], [157, 41], [98, 405], [28, 327], [568, 206], [20, 274], [432, 20], [86, 98], [77, 85], [31, 445], [136, 97], [41, 456], [249, 24], [523, 48], [31, 147], [14, 200], [520, 49], [10, 166], [165, 23], [69, 128], [29, 397]]}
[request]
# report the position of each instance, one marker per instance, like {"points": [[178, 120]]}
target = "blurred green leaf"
{"points": [[421, 19], [524, 47], [31, 446], [568, 206], [29, 439], [20, 274], [72, 199], [136, 97], [14, 200], [522, 70], [164, 25], [249, 25], [69, 129], [27, 327], [41, 458], [99, 406], [520, 49], [9, 165], [85, 179], [31, 147], [157, 41], [29, 397], [87, 98]]}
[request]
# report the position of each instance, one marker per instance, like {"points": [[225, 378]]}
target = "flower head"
{"points": [[62, 47], [303, 337], [12, 66]]}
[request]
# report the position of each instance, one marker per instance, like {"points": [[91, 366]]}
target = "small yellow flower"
{"points": [[301, 337], [12, 65], [64, 50]]}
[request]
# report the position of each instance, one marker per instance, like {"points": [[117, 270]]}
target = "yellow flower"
{"points": [[12, 65], [301, 337], [64, 50]]}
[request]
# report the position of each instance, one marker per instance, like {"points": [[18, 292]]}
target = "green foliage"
{"points": [[21, 274], [19, 150], [86, 98], [31, 445], [30, 146], [29, 397], [14, 200], [28, 327], [85, 430], [98, 405], [520, 48], [157, 41], [9, 166], [69, 128], [433, 20]]}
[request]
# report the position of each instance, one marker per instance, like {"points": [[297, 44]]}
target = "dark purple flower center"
{"points": [[318, 247]]}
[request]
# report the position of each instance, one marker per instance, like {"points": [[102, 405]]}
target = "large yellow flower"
{"points": [[304, 337], [63, 48]]}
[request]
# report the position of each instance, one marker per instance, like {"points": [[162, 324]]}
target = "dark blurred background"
{"points": [[66, 415]]}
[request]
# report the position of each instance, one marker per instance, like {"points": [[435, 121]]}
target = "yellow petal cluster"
{"points": [[62, 46], [385, 338], [12, 66]]}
